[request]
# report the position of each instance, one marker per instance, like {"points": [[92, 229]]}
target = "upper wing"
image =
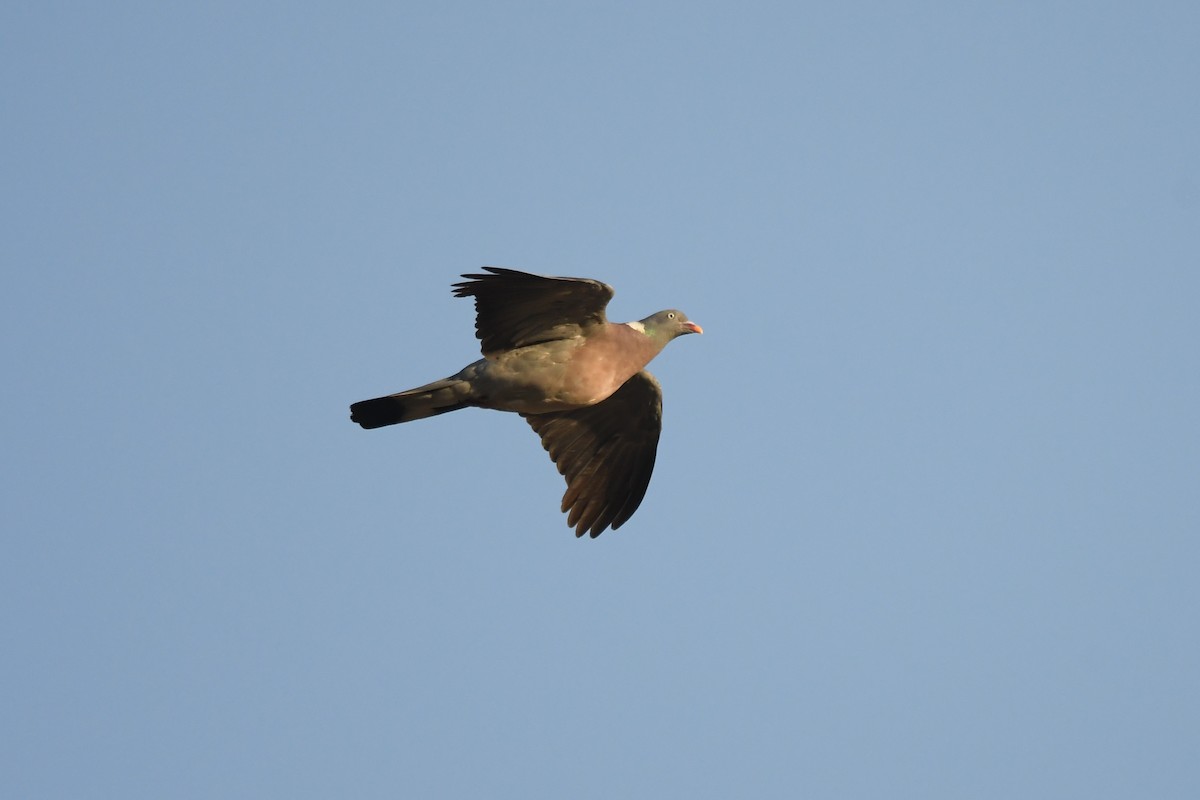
{"points": [[606, 452], [514, 309]]}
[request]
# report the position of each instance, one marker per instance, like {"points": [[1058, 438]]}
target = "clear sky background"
{"points": [[925, 520]]}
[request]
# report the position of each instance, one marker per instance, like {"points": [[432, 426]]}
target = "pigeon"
{"points": [[551, 355]]}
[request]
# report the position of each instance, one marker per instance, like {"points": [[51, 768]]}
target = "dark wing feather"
{"points": [[515, 309], [606, 452]]}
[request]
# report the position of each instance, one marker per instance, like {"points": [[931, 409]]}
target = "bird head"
{"points": [[666, 325]]}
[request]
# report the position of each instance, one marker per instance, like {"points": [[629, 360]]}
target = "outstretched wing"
{"points": [[606, 453], [515, 309]]}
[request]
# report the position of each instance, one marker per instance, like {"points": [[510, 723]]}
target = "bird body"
{"points": [[551, 355], [567, 373]]}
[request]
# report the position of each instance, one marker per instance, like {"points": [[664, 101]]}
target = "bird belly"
{"points": [[542, 379]]}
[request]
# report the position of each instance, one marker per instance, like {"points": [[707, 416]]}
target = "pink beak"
{"points": [[693, 327]]}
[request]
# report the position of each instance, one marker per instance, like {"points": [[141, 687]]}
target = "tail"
{"points": [[438, 397]]}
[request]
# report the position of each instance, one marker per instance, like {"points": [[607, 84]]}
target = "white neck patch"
{"points": [[637, 326]]}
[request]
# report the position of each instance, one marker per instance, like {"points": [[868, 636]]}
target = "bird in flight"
{"points": [[551, 355]]}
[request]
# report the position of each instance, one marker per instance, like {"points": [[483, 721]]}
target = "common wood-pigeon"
{"points": [[551, 355]]}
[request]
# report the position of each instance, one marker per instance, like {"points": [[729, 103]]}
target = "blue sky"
{"points": [[924, 519]]}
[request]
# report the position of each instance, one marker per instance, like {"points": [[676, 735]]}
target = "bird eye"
{"points": [[670, 316]]}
